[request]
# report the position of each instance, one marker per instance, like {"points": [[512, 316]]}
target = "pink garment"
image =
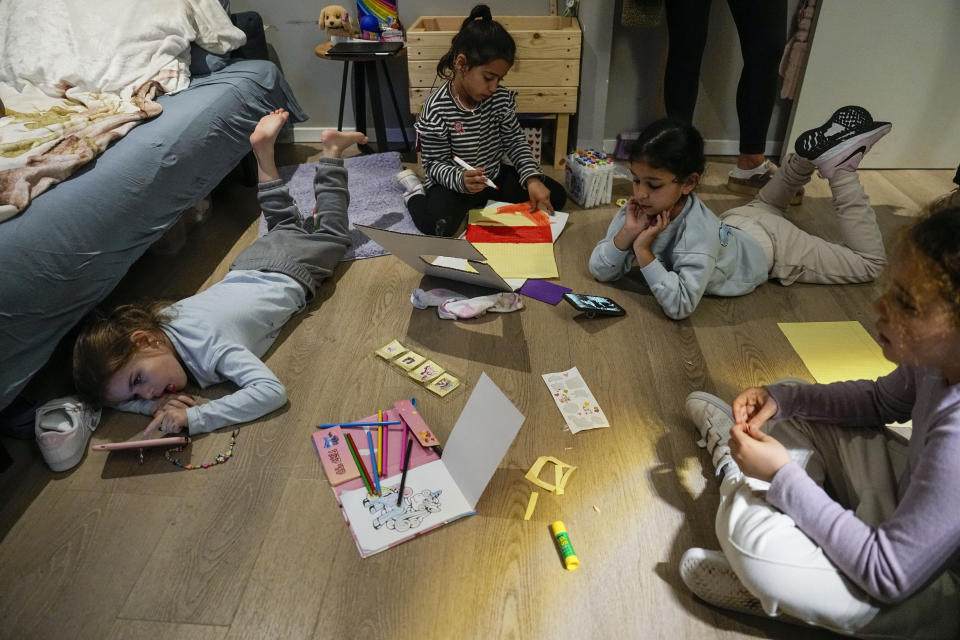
{"points": [[455, 306], [795, 54]]}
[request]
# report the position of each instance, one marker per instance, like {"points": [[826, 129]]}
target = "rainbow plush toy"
{"points": [[377, 16]]}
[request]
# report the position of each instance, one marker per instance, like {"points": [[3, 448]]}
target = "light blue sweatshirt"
{"points": [[220, 335], [696, 254]]}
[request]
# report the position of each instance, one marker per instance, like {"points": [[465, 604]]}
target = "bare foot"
{"points": [[267, 130], [334, 142]]}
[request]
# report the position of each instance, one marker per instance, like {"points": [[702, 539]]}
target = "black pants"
{"points": [[761, 26], [450, 207]]}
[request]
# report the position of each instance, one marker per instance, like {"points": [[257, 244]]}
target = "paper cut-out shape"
{"points": [[390, 351], [560, 476], [531, 505], [443, 385], [409, 360]]}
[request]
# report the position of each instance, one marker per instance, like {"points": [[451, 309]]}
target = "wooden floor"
{"points": [[257, 548]]}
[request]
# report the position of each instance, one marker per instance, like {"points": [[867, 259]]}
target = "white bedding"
{"points": [[77, 74]]}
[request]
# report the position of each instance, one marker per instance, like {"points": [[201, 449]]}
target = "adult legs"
{"points": [[687, 23], [761, 27]]}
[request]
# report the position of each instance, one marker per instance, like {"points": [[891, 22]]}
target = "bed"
{"points": [[72, 244]]}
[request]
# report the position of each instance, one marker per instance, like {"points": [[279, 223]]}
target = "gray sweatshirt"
{"points": [[894, 560], [696, 254]]}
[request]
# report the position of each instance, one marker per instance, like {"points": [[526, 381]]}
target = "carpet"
{"points": [[376, 198]]}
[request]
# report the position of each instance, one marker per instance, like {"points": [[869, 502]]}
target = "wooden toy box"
{"points": [[545, 73]]}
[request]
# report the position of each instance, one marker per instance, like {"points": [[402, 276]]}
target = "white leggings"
{"points": [[790, 574]]}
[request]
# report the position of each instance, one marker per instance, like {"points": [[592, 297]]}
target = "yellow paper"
{"points": [[836, 351], [560, 481], [531, 505], [520, 260], [494, 217]]}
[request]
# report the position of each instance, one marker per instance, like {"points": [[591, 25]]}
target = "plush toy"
{"points": [[336, 21]]}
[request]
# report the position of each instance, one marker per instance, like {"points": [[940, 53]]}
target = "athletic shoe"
{"points": [[751, 185], [714, 419], [409, 180], [841, 142], [711, 578], [63, 428]]}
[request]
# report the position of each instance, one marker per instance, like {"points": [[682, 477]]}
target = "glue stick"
{"points": [[570, 559]]}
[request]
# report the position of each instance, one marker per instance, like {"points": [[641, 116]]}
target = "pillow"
{"points": [[202, 62]]}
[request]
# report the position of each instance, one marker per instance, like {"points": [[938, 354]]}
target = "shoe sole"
{"points": [[837, 118]]}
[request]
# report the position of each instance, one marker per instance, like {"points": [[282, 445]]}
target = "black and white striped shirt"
{"points": [[479, 137]]}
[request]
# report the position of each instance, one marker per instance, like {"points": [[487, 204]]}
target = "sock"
{"points": [[411, 184], [453, 306], [422, 299]]}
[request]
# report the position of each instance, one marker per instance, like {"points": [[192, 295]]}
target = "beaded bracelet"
{"points": [[220, 459]]}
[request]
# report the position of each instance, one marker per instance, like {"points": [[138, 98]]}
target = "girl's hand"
{"points": [[752, 408], [633, 224], [539, 195], [757, 454], [179, 400], [169, 419], [655, 224], [474, 180]]}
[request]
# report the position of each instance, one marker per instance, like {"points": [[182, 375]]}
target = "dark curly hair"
{"points": [[935, 239]]}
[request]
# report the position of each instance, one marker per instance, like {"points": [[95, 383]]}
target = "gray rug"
{"points": [[376, 198]]}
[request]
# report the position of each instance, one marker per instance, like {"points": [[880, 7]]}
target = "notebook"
{"points": [[437, 490]]}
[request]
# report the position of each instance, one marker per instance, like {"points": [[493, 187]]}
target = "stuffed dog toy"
{"points": [[336, 21]]}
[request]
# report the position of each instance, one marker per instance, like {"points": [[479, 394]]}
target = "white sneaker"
{"points": [[63, 428], [713, 418], [711, 578]]}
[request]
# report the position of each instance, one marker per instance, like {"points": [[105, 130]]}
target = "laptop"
{"points": [[365, 48]]}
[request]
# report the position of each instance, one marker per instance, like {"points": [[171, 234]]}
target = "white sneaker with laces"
{"points": [[713, 418], [711, 578], [63, 428]]}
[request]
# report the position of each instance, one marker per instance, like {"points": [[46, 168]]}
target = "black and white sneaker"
{"points": [[841, 142]]}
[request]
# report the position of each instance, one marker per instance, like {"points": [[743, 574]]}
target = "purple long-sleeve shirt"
{"points": [[922, 537]]}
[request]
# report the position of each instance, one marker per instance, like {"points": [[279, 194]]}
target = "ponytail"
{"points": [[481, 40]]}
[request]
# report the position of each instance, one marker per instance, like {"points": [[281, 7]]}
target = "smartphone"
{"points": [[593, 306]]}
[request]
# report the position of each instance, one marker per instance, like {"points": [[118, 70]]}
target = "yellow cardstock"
{"points": [[560, 476], [836, 351]]}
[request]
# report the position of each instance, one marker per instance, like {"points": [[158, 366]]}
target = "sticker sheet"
{"points": [[409, 361], [576, 403]]}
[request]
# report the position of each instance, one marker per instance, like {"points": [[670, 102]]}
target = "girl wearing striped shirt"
{"points": [[472, 117]]}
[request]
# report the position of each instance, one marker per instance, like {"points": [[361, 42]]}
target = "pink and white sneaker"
{"points": [[841, 142], [63, 427]]}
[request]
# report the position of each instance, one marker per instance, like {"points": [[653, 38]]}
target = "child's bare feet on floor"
{"points": [[267, 130], [335, 142]]}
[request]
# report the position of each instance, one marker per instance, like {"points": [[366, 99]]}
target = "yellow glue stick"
{"points": [[570, 559]]}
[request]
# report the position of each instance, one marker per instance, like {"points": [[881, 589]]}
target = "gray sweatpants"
{"points": [[794, 255], [309, 250]]}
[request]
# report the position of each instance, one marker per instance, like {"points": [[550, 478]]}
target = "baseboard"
{"points": [[714, 147], [312, 134]]}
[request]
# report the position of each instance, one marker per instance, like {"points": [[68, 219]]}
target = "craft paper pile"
{"points": [[517, 242]]}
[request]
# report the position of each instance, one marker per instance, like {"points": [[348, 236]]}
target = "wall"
{"points": [[291, 28], [912, 83], [638, 59]]}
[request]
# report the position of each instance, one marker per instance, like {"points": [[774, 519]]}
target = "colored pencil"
{"points": [[356, 459], [373, 461], [386, 440], [380, 442], [406, 465], [384, 423]]}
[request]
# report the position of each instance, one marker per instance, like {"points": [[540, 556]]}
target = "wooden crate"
{"points": [[545, 72]]}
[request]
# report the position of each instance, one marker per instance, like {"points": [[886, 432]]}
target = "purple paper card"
{"points": [[543, 290]]}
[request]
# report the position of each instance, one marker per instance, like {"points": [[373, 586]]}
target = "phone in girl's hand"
{"points": [[593, 306]]}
